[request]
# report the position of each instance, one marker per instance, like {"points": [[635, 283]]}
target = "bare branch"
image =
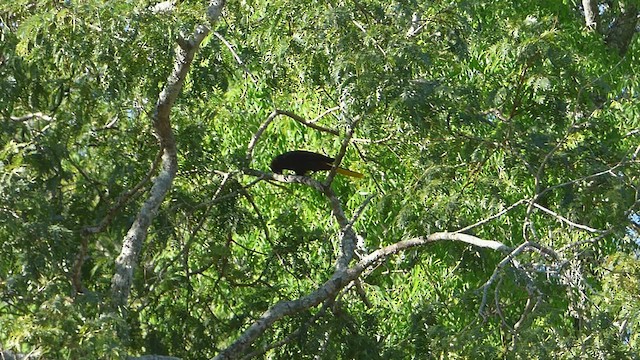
{"points": [[27, 117], [112, 124], [271, 117], [527, 224], [163, 7], [361, 27], [496, 299], [496, 272], [632, 132], [308, 123], [132, 243], [256, 136], [336, 283], [289, 337], [495, 216], [565, 220], [529, 307], [287, 179], [360, 209], [235, 56], [215, 10], [590, 8], [583, 242], [348, 238], [342, 151], [324, 113], [416, 25], [609, 171]]}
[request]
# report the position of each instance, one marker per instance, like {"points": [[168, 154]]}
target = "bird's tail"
{"points": [[350, 173]]}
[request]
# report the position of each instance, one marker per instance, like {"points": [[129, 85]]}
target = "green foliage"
{"points": [[486, 105]]}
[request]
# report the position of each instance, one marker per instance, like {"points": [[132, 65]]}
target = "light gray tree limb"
{"points": [[338, 281], [132, 243], [590, 9]]}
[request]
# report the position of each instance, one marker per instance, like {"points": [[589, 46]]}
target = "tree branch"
{"points": [[27, 117], [337, 282], [291, 179], [507, 259], [235, 56], [124, 198], [621, 32], [495, 216], [342, 151], [132, 243], [567, 221], [292, 336], [273, 115], [348, 236], [590, 8]]}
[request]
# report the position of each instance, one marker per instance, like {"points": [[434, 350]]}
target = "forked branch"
{"points": [[132, 243], [338, 281]]}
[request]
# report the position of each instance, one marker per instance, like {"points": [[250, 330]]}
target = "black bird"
{"points": [[301, 162]]}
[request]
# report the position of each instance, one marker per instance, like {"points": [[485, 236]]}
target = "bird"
{"points": [[301, 162]]}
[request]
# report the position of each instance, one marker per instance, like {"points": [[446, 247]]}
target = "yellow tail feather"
{"points": [[350, 173]]}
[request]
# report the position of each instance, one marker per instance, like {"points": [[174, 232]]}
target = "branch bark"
{"points": [[132, 243], [590, 8], [36, 115], [339, 280], [273, 115], [623, 28]]}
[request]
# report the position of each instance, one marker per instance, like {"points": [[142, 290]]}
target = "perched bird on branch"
{"points": [[301, 162]]}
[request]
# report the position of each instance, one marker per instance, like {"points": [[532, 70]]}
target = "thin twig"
{"points": [[360, 209], [496, 299], [324, 113], [507, 259], [235, 56], [342, 151], [565, 220], [361, 27], [495, 216], [124, 198], [583, 242], [256, 136], [529, 307], [308, 123], [537, 180], [271, 117], [609, 171]]}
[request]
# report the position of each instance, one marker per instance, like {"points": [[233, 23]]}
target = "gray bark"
{"points": [[337, 282], [590, 8], [132, 243], [623, 28]]}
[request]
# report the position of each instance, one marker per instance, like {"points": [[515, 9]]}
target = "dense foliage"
{"points": [[508, 120]]}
